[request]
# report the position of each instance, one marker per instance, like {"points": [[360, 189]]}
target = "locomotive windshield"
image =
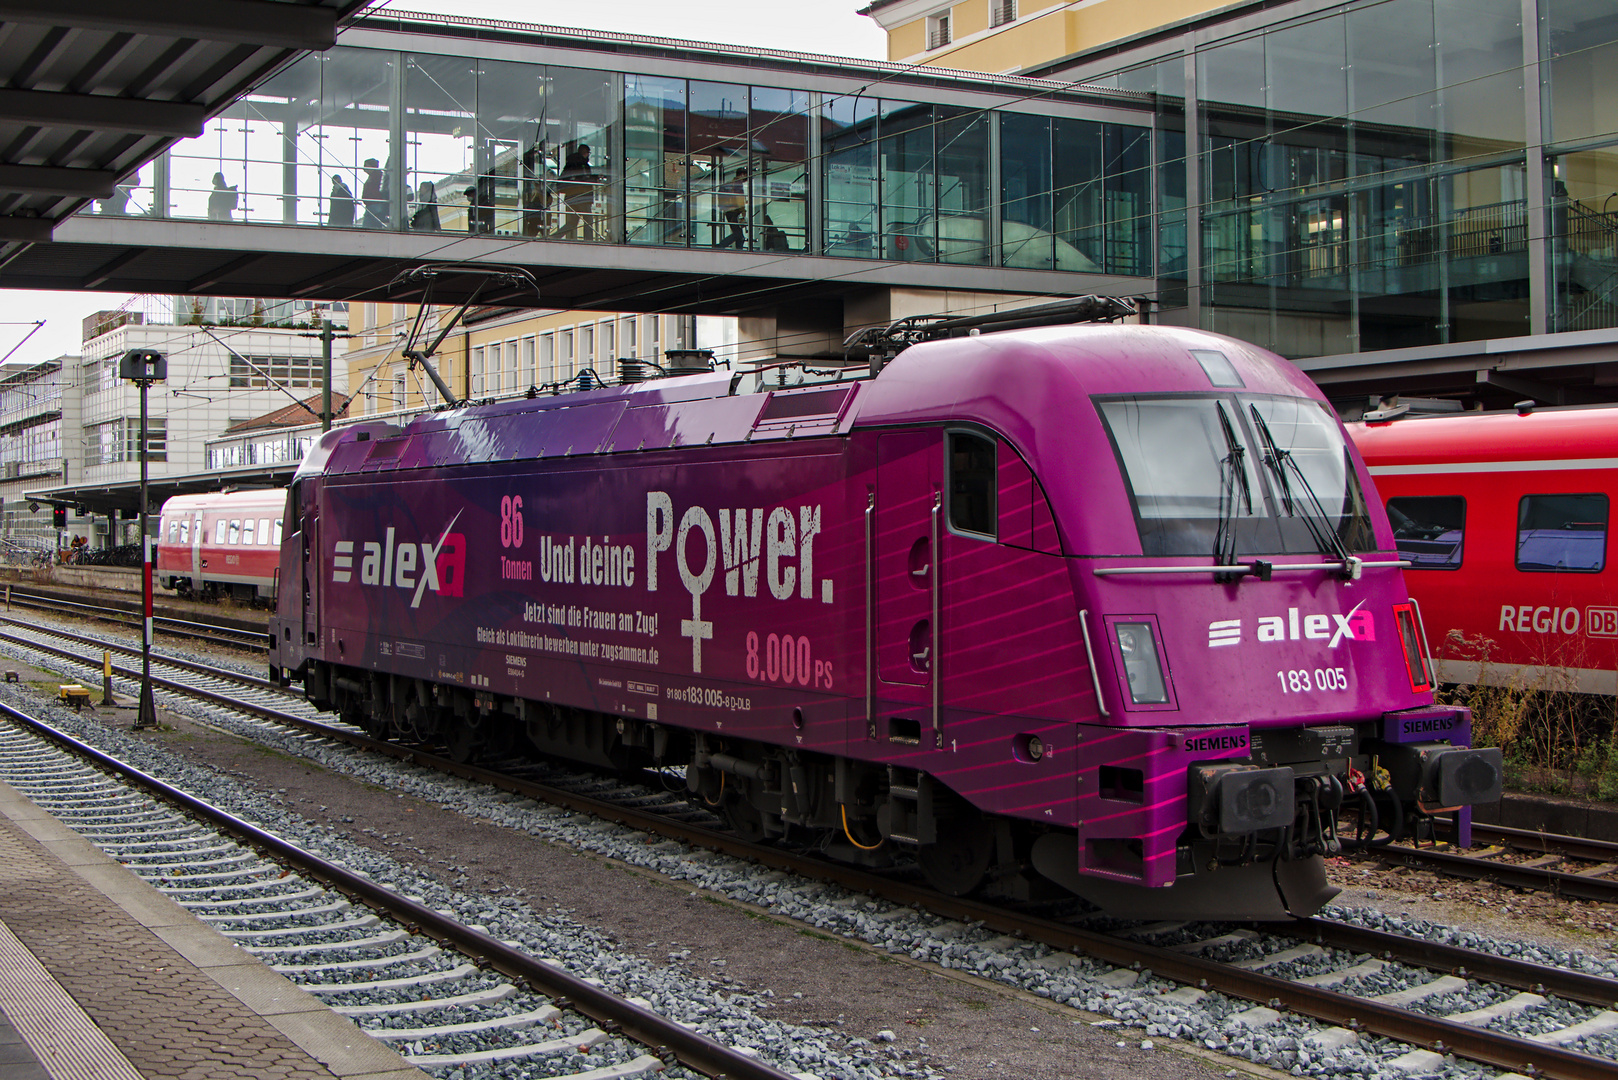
{"points": [[1237, 475]]}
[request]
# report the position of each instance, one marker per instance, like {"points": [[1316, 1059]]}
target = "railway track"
{"points": [[374, 955], [222, 630], [1569, 866], [1343, 982]]}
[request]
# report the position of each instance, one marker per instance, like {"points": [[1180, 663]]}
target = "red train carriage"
{"points": [[1504, 518], [222, 544]]}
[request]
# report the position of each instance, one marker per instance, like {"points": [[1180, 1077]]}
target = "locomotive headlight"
{"points": [[1138, 645]]}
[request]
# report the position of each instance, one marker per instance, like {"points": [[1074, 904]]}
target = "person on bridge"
{"points": [[375, 193], [732, 203], [425, 218], [341, 212], [222, 199], [577, 187]]}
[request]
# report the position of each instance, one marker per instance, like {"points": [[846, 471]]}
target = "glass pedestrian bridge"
{"points": [[639, 173]]}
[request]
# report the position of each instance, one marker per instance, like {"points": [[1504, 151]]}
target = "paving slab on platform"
{"points": [[103, 976]]}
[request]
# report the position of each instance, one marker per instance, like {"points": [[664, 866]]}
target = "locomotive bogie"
{"points": [[971, 611]]}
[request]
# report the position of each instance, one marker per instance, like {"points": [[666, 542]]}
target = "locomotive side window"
{"points": [[263, 530], [174, 530], [1429, 530], [219, 531], [277, 532], [236, 531], [971, 484], [1562, 532], [247, 532], [185, 531]]}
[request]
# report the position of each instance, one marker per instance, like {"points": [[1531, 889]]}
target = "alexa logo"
{"points": [[394, 563], [1331, 627]]}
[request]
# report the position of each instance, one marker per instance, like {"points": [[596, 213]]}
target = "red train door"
{"points": [[196, 553], [905, 619]]}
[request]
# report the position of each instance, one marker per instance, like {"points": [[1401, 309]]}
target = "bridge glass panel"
{"points": [[252, 160], [849, 148], [1025, 192], [440, 129], [580, 112], [778, 124], [962, 171], [1579, 39], [718, 164], [352, 136], [907, 182], [508, 194], [1077, 195], [655, 195]]}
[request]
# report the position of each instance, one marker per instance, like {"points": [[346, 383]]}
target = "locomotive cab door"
{"points": [[907, 601], [309, 553]]}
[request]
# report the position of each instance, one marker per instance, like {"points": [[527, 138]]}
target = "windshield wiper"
{"points": [[1280, 463], [1232, 475]]}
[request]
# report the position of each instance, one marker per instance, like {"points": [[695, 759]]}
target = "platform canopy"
{"points": [[93, 90]]}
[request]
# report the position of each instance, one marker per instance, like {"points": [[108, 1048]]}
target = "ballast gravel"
{"points": [[546, 878]]}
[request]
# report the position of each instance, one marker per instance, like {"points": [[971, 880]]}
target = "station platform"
{"points": [[104, 978]]}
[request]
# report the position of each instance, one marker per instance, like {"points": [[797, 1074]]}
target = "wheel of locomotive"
{"points": [[742, 816], [959, 861], [464, 743]]}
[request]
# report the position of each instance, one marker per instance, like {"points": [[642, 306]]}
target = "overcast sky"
{"points": [[814, 26]]}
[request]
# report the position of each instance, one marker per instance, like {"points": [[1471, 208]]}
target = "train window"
{"points": [[174, 531], [971, 483], [1429, 530], [236, 531], [247, 532], [277, 532], [264, 530], [1562, 532], [219, 531], [185, 532]]}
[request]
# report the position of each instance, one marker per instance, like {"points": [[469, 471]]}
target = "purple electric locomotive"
{"points": [[1099, 609]]}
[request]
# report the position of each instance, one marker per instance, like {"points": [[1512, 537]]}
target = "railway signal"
{"points": [[143, 367]]}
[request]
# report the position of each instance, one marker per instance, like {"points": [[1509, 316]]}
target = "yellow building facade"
{"points": [[505, 353], [1009, 35]]}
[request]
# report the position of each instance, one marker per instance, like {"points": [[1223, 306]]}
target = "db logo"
{"points": [[1601, 621]]}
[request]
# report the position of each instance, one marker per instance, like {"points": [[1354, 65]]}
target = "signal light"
{"points": [[59, 516]]}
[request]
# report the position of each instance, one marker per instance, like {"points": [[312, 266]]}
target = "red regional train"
{"points": [[222, 544], [1098, 610], [1504, 519]]}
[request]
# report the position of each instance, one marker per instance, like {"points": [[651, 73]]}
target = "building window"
{"points": [[475, 376], [547, 359], [491, 369], [938, 32], [1002, 12], [564, 366], [254, 372], [527, 375], [587, 346], [630, 336]]}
